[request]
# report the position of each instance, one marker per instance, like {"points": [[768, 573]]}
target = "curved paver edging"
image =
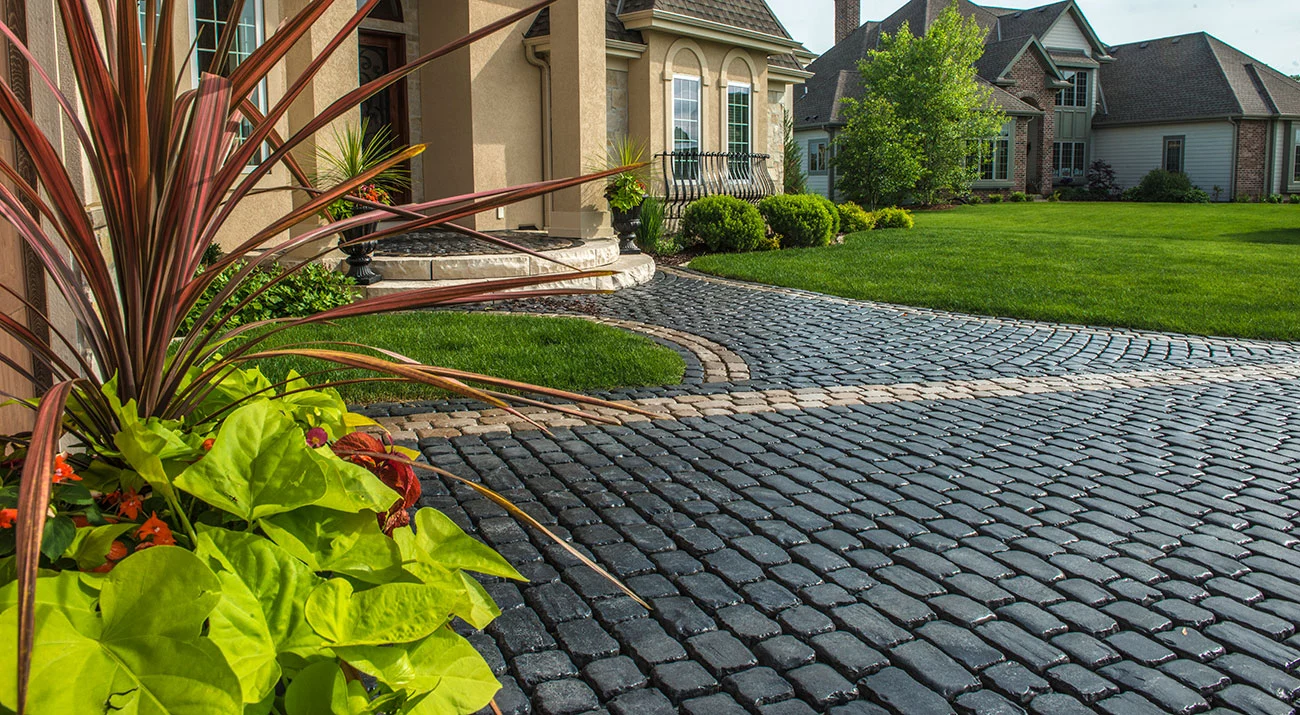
{"points": [[455, 424], [719, 364]]}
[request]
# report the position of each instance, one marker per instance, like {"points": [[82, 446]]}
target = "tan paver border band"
{"points": [[453, 424]]}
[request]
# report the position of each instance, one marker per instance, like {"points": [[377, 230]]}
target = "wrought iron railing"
{"points": [[691, 175]]}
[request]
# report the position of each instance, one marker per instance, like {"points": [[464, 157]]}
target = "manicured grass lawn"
{"points": [[1228, 269], [564, 353]]}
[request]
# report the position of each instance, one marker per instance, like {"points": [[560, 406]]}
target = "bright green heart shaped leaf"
{"points": [[238, 628], [146, 444], [470, 601], [90, 548], [440, 674], [259, 465], [65, 591], [164, 590], [343, 542], [320, 689], [279, 582], [350, 487], [314, 407], [439, 540], [391, 613], [154, 675]]}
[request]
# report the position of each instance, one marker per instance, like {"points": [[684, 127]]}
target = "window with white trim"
{"points": [[819, 157], [209, 22], [994, 155], [1175, 148], [1295, 156], [1075, 95], [1070, 159], [686, 127], [739, 130]]}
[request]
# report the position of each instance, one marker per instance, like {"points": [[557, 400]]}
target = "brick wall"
{"points": [[1252, 158], [1020, 151], [1030, 75], [848, 17]]}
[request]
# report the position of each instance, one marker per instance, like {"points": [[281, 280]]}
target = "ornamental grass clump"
{"points": [[193, 536]]}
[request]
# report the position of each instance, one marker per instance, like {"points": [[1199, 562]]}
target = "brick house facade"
{"points": [[1252, 158]]}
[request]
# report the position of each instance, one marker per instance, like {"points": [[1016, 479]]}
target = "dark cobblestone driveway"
{"points": [[1125, 551]]}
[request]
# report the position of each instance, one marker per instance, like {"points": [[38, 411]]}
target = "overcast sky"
{"points": [[1268, 30]]}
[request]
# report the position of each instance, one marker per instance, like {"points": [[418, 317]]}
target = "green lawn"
{"points": [[564, 353], [1225, 269]]}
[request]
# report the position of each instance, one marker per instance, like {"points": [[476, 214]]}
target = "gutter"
{"points": [[548, 157]]}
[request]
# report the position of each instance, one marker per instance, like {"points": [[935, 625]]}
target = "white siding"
{"points": [[817, 183], [1067, 35], [1134, 151]]}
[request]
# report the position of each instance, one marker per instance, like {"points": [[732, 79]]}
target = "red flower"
{"points": [[317, 437], [357, 448], [207, 444], [117, 551], [128, 504], [62, 471], [7, 517], [104, 567], [155, 529]]}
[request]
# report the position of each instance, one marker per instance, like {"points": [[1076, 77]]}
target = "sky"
{"points": [[1267, 30]]}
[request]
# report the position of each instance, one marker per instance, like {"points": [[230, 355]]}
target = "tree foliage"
{"points": [[930, 106], [796, 181], [878, 159]]}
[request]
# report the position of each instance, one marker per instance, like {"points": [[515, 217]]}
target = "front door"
{"points": [[378, 54]]}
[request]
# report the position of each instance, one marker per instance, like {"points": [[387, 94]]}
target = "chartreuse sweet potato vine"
{"points": [[210, 541]]}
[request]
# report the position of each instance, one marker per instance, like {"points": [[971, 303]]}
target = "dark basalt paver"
{"points": [[1121, 551]]}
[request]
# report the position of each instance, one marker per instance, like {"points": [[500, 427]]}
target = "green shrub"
{"points": [[799, 221], [1169, 187], [996, 198], [650, 234], [834, 212], [313, 289], [1295, 198], [723, 223], [769, 243], [1243, 199], [1275, 198], [1055, 197], [854, 218], [894, 218], [975, 199], [1018, 197]]}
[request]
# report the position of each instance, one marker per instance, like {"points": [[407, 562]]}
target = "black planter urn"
{"points": [[626, 224], [359, 259]]}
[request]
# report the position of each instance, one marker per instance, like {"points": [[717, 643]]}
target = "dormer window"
{"points": [[1075, 95]]}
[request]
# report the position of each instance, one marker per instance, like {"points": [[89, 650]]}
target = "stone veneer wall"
{"points": [[616, 103], [776, 136], [1252, 158], [1030, 75]]}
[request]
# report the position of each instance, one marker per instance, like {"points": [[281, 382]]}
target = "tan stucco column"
{"points": [[578, 113]]}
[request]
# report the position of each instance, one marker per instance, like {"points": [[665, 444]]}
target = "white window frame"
{"points": [[1075, 101], [823, 151], [1182, 152], [997, 154], [741, 172], [1295, 156], [259, 38], [1078, 169], [699, 127]]}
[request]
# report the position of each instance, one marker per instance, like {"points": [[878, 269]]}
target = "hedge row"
{"points": [[728, 224]]}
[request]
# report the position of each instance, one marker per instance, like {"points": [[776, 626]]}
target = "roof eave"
{"points": [[688, 26], [789, 74]]}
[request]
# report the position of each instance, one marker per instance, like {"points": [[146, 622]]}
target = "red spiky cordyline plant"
{"points": [[169, 172]]}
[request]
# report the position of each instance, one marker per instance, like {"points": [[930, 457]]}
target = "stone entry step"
{"points": [[585, 256], [629, 271]]}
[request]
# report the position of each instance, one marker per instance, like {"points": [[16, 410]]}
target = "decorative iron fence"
{"points": [[691, 175]]}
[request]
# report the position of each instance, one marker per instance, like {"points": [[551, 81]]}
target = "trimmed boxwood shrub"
{"points": [[833, 210], [854, 218], [799, 220], [1169, 187], [723, 223], [894, 218], [996, 198], [1018, 197]]}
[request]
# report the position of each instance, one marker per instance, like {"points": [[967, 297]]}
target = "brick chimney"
{"points": [[848, 17]]}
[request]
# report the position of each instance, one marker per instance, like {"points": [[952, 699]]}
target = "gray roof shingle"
{"points": [[1191, 77], [753, 15]]}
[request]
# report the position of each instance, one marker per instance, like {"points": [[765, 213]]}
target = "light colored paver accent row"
{"points": [[949, 315], [454, 424], [719, 363]]}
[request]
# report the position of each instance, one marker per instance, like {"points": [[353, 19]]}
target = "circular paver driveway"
{"points": [[1079, 540]]}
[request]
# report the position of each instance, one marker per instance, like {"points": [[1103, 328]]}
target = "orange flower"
{"points": [[128, 504], [157, 530], [117, 551], [63, 471], [7, 517], [207, 444]]}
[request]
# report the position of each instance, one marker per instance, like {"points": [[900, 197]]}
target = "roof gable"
{"points": [[752, 15]]}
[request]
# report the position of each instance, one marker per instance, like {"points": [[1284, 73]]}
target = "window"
{"points": [[994, 155], [686, 127], [1295, 150], [819, 157], [1173, 156], [738, 129], [1075, 95], [1070, 159], [209, 22]]}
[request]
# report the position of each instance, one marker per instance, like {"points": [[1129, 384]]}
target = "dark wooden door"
{"points": [[379, 53]]}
